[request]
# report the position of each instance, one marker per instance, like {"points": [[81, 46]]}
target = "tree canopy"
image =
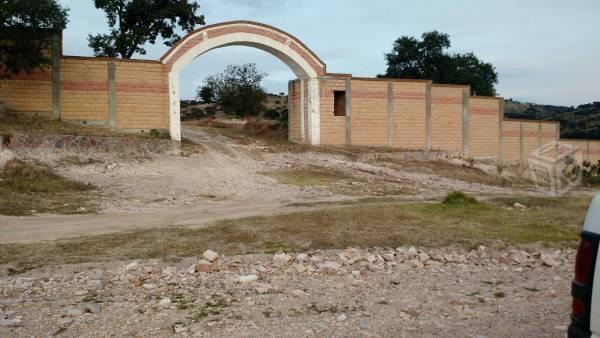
{"points": [[428, 58], [133, 23], [25, 27], [237, 90]]}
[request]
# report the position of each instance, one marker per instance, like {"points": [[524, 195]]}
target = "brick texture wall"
{"points": [[84, 97], [369, 112], [31, 93], [333, 128], [484, 130], [409, 117], [447, 118], [511, 143], [294, 114], [142, 95]]}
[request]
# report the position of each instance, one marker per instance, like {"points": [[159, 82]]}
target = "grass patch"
{"points": [[459, 198], [332, 179], [25, 187], [384, 225]]}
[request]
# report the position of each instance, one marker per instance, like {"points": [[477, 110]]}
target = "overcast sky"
{"points": [[545, 51]]}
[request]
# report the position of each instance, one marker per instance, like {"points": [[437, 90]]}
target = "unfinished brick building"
{"points": [[324, 108]]}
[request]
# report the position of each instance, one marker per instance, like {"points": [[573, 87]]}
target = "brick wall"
{"points": [[484, 129], [31, 93], [511, 140], [142, 95], [369, 112], [294, 114], [409, 116], [447, 117], [84, 97], [333, 128]]}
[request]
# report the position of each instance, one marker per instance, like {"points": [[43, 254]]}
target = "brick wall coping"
{"points": [[508, 119], [102, 58]]}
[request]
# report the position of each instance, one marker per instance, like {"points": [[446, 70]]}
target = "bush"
{"points": [[459, 198], [154, 133]]}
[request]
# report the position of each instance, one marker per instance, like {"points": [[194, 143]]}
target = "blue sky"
{"points": [[545, 51]]}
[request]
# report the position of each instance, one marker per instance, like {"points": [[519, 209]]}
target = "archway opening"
{"points": [[301, 60]]}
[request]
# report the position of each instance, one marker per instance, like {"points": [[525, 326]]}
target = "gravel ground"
{"points": [[404, 292]]}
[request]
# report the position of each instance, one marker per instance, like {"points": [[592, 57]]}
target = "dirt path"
{"points": [[170, 191], [226, 181]]}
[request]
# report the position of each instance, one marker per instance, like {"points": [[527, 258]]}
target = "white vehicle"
{"points": [[585, 315]]}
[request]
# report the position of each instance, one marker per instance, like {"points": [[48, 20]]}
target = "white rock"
{"points": [[247, 278], [341, 318], [330, 266], [298, 293], [149, 286], [356, 274], [74, 312], [210, 255], [300, 268], [301, 257], [519, 206], [24, 283], [10, 322], [281, 259], [131, 266], [423, 257], [165, 302], [548, 260]]}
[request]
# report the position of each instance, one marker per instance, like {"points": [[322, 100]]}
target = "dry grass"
{"points": [[375, 224], [26, 188]]}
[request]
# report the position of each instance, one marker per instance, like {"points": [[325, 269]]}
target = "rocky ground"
{"points": [[403, 292]]}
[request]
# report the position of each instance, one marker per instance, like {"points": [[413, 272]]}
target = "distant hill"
{"points": [[581, 122]]}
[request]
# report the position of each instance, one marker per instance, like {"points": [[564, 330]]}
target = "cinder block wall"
{"points": [[369, 118], [294, 111], [333, 128], [484, 127], [142, 95], [447, 117], [409, 114], [84, 90]]}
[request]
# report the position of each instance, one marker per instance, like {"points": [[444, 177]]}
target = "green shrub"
{"points": [[459, 198], [154, 133]]}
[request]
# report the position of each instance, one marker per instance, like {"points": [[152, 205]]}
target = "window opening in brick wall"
{"points": [[339, 103]]}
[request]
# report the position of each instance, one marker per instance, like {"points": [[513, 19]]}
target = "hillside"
{"points": [[275, 108], [581, 122]]}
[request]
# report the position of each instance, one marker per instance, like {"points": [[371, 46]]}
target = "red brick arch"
{"points": [[271, 34]]}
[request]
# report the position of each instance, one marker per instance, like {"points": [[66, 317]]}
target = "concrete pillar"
{"points": [[390, 113], [174, 120], [348, 111], [500, 131], [112, 95], [539, 135], [314, 111], [465, 125], [302, 110], [289, 108], [56, 53], [521, 144], [428, 118]]}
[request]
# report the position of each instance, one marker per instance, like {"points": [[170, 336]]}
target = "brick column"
{"points": [[428, 119], [56, 76], [302, 100], [390, 113], [112, 95], [348, 111], [500, 131], [465, 125]]}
